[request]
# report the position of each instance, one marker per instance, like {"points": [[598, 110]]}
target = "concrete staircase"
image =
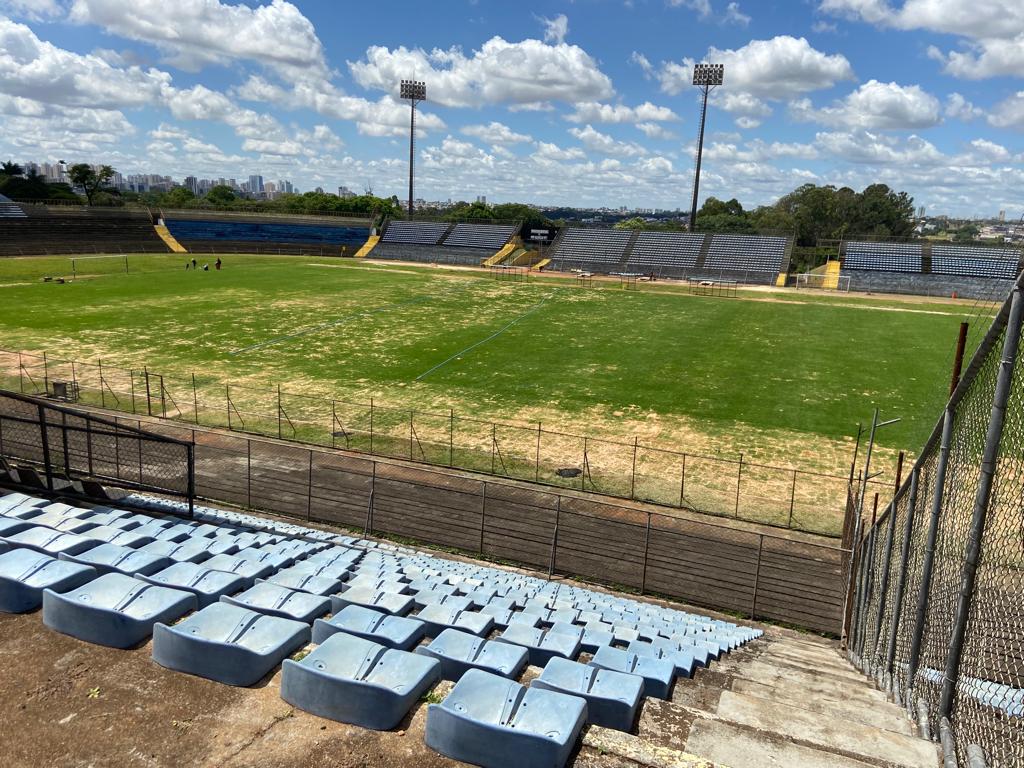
{"points": [[788, 700]]}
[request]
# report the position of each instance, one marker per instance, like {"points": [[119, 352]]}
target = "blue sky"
{"points": [[571, 103]]}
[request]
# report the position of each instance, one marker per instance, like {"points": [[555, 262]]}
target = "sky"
{"points": [[585, 103]]}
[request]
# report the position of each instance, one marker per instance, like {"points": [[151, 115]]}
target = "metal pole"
{"points": [[682, 482], [45, 439], [451, 437], [700, 153], [883, 587], [901, 579], [927, 566], [46, 376], [412, 149], [757, 576], [958, 357], [554, 536], [868, 580], [278, 411], [191, 458], [792, 501], [149, 395], [227, 401], [647, 546], [972, 554]]}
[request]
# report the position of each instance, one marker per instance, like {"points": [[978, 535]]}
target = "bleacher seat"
{"points": [[657, 674], [206, 584], [114, 610], [354, 680], [307, 582], [882, 257], [275, 600], [746, 253], [458, 652], [385, 602], [114, 558], [51, 542], [415, 232], [975, 261], [672, 250], [209, 235], [9, 209], [399, 632], [247, 569], [74, 229], [613, 698], [25, 573], [493, 722], [581, 247], [544, 644], [489, 236], [229, 644]]}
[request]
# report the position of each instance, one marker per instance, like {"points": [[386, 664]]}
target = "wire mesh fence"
{"points": [[724, 486], [936, 614]]}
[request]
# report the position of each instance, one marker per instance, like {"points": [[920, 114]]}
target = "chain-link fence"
{"points": [[938, 578], [62, 450], [725, 486]]}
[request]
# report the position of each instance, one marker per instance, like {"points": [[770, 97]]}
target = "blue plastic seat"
{"points": [[500, 616], [12, 525], [438, 618], [114, 610], [543, 644], [275, 560], [400, 632], [113, 558], [657, 673], [385, 602], [354, 680], [112, 535], [275, 600], [595, 636], [25, 573], [307, 582], [221, 545], [51, 542], [207, 585], [229, 644], [378, 583], [189, 551], [61, 521], [247, 569], [18, 500], [458, 652], [612, 697], [160, 531], [493, 722], [338, 570]]}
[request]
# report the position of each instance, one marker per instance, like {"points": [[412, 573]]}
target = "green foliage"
{"points": [[90, 179], [10, 168], [34, 187], [179, 197], [828, 213], [634, 223], [221, 195]]}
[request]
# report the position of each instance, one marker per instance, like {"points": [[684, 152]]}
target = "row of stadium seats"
{"points": [[77, 232], [937, 259], [9, 209], [230, 597], [490, 237], [209, 233]]}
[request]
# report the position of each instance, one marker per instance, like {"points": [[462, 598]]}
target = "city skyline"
{"points": [[541, 106]]}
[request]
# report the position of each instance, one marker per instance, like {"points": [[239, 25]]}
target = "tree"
{"points": [[177, 197], [634, 223], [221, 195], [9, 168], [90, 179], [714, 207]]}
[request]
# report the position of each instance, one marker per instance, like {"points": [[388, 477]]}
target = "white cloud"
{"points": [[959, 108], [733, 15], [495, 133], [879, 149], [33, 10], [198, 32], [993, 30], [548, 151], [594, 112], [525, 73], [643, 62], [555, 29], [876, 105], [1009, 113], [596, 141], [655, 131], [702, 7]]}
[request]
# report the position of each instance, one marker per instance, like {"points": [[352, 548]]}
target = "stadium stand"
{"points": [[599, 249], [670, 250], [743, 254], [209, 235], [78, 229], [205, 620], [970, 271], [9, 209], [441, 242]]}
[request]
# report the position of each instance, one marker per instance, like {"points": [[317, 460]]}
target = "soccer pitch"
{"points": [[781, 377]]}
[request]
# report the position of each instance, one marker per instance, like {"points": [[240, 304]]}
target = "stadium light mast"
{"points": [[415, 91], [707, 77]]}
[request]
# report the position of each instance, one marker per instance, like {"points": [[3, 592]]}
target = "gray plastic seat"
{"points": [[354, 680], [15, 500], [247, 569], [25, 573], [114, 610], [543, 644], [657, 673], [12, 525], [438, 618], [112, 535], [221, 545], [493, 722], [275, 600], [400, 632], [229, 644], [206, 584], [275, 560], [113, 558], [307, 582], [385, 602], [458, 652], [158, 530], [500, 616], [51, 542], [595, 637], [612, 697], [335, 570], [189, 551]]}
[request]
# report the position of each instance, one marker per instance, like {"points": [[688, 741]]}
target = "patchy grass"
{"points": [[782, 377]]}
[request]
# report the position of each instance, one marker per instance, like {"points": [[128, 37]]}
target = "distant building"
{"points": [[481, 199], [920, 212], [255, 184], [1002, 216], [345, 193]]}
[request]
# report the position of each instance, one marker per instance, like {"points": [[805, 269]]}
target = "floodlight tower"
{"points": [[707, 77], [415, 91]]}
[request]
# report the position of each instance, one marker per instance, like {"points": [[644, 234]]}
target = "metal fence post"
{"points": [[792, 501], [554, 536], [191, 457], [45, 439], [647, 547], [883, 587], [757, 577], [368, 528], [924, 592], [901, 578], [103, 394], [972, 555], [279, 433], [149, 395]]}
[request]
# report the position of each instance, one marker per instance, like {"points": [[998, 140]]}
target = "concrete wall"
{"points": [[927, 285]]}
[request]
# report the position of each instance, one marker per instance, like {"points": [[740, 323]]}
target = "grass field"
{"points": [[781, 377]]}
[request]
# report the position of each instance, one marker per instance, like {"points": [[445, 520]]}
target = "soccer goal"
{"points": [[821, 282]]}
